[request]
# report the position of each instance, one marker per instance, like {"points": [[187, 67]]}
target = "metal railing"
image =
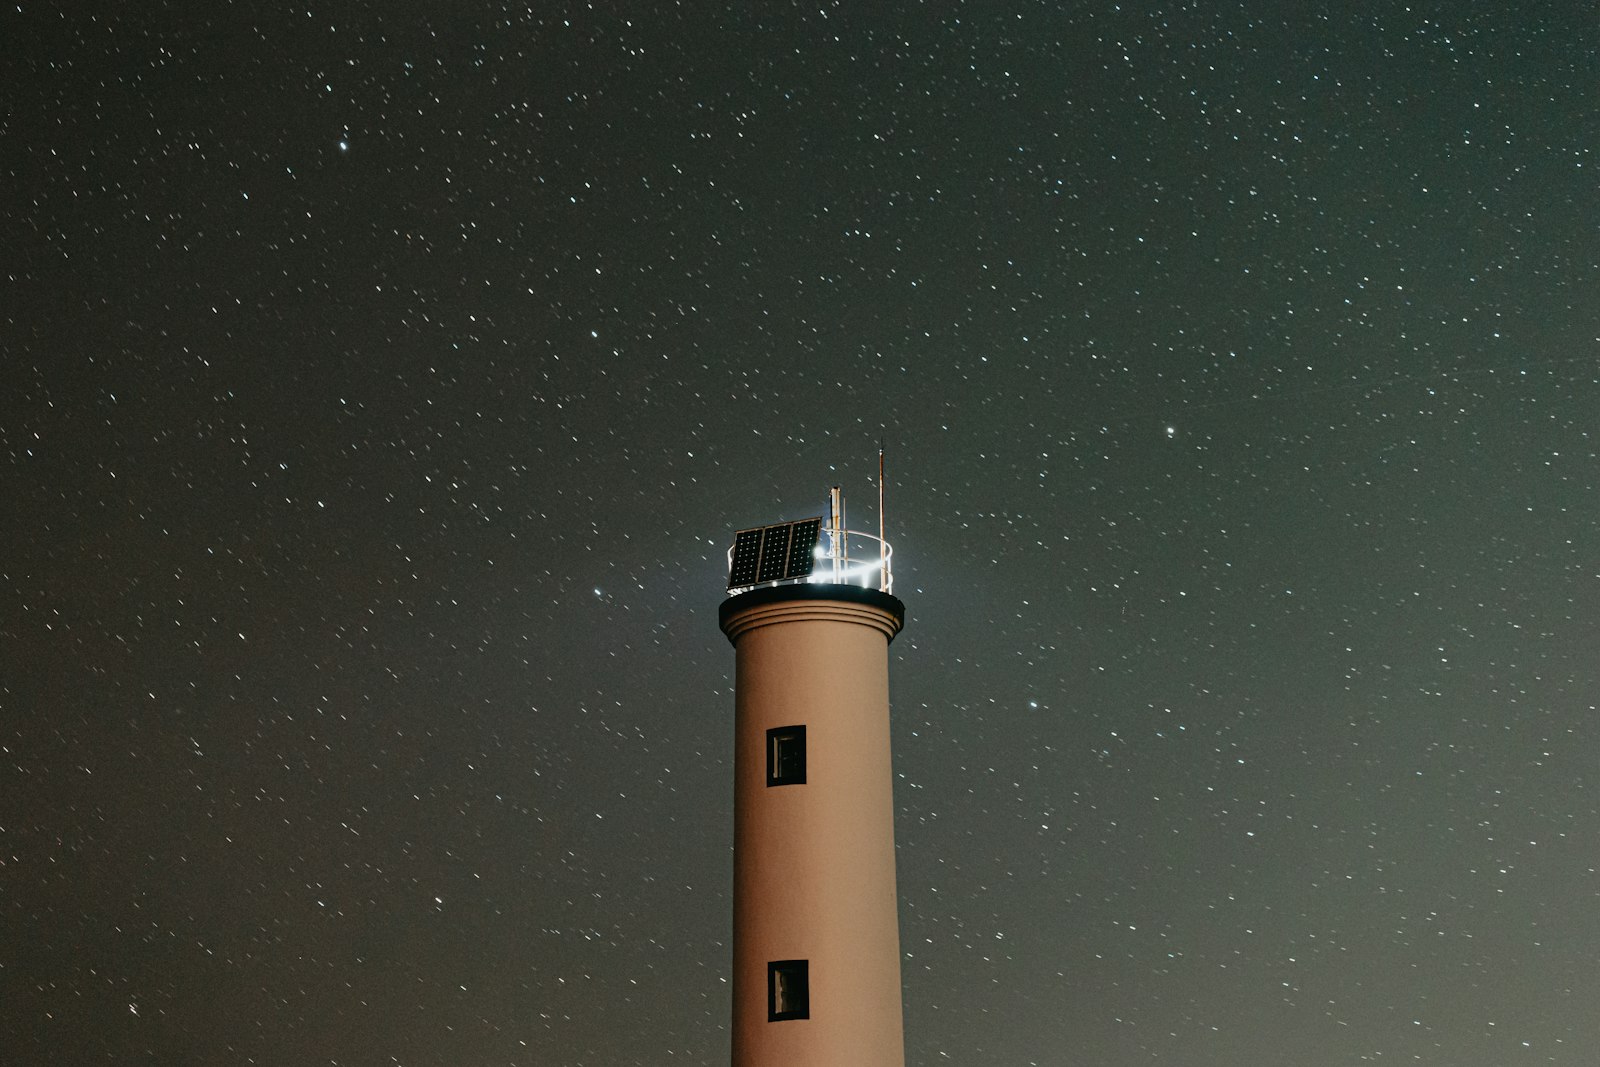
{"points": [[844, 557]]}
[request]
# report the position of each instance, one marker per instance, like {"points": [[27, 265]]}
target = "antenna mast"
{"points": [[838, 551], [883, 556]]}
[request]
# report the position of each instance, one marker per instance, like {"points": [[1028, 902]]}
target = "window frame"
{"points": [[802, 968], [789, 734]]}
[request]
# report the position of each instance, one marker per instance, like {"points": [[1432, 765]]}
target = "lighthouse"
{"points": [[816, 942]]}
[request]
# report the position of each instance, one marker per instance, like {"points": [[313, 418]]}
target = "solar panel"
{"points": [[774, 553], [802, 548], [746, 553]]}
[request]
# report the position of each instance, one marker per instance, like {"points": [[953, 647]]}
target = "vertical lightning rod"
{"points": [[883, 552]]}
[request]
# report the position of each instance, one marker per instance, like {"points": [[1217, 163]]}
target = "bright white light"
{"points": [[846, 574]]}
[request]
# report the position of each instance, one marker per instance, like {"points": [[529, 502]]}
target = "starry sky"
{"points": [[383, 382]]}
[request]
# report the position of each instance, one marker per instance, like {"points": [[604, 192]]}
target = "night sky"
{"points": [[381, 385]]}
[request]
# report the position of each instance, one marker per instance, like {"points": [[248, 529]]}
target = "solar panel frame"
{"points": [[746, 558], [802, 548], [775, 553]]}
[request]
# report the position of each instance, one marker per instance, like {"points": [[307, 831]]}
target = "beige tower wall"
{"points": [[814, 875]]}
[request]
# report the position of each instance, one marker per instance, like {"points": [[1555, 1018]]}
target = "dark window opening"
{"points": [[788, 990], [786, 755]]}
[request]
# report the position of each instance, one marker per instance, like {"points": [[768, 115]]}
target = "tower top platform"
{"points": [[823, 601]]}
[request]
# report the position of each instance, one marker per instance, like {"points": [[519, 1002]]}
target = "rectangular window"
{"points": [[788, 990], [786, 755]]}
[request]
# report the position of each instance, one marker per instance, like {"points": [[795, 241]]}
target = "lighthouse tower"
{"points": [[816, 943]]}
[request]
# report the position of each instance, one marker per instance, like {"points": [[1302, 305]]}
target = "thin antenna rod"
{"points": [[883, 551], [836, 527]]}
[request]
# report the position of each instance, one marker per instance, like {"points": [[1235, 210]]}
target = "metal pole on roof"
{"points": [[883, 547], [836, 529]]}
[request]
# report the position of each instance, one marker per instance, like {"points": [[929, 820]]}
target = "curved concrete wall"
{"points": [[814, 871]]}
